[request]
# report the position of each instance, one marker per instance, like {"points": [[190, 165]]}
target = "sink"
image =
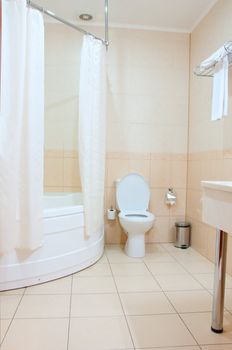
{"points": [[217, 204]]}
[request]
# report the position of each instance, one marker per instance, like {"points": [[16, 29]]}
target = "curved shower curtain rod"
{"points": [[64, 21]]}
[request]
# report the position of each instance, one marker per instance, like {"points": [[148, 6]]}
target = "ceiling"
{"points": [[170, 15]]}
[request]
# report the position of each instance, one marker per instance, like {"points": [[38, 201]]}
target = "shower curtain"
{"points": [[21, 127], [92, 132]]}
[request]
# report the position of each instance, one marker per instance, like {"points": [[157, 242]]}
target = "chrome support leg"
{"points": [[219, 282]]}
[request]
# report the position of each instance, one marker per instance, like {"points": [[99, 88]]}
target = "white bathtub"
{"points": [[65, 249]]}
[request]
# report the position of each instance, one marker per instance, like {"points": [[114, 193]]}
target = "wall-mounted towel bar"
{"points": [[207, 67]]}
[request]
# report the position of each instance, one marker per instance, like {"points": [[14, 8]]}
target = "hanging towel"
{"points": [[220, 90], [220, 60], [213, 59]]}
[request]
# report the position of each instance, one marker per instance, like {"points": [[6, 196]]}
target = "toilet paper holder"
{"points": [[170, 197], [111, 213]]}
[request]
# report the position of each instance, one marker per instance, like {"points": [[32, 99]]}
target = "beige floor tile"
{"points": [[44, 306], [8, 305], [192, 256], [87, 305], [199, 325], [146, 303], [113, 248], [191, 301], [207, 280], [93, 285], [165, 268], [178, 282], [37, 335], [139, 269], [172, 249], [158, 257], [4, 324], [102, 333], [103, 260], [154, 248], [199, 267], [217, 347], [60, 286], [184, 252], [228, 299], [121, 257], [158, 331], [95, 270], [136, 284], [175, 348], [18, 291]]}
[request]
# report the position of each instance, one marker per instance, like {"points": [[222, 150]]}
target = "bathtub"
{"points": [[65, 249]]}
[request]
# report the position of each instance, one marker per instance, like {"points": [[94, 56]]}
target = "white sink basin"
{"points": [[217, 204]]}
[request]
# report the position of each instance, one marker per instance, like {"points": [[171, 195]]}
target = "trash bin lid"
{"points": [[182, 224]]}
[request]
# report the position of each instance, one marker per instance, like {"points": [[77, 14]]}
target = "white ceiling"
{"points": [[170, 15]]}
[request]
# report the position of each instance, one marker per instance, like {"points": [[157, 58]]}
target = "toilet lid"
{"points": [[132, 193]]}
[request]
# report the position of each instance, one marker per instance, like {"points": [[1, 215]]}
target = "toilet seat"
{"points": [[137, 216]]}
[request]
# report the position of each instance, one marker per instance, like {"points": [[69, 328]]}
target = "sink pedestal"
{"points": [[219, 282]]}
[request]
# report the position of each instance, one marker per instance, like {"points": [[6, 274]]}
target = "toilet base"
{"points": [[135, 245]]}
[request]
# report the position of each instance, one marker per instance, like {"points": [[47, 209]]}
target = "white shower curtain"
{"points": [[92, 132], [21, 127]]}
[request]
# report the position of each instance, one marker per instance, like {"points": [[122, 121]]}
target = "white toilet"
{"points": [[132, 198]]}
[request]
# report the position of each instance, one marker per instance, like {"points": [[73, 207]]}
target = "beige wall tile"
{"points": [[110, 197], [53, 172], [157, 202], [116, 168], [71, 172], [178, 209], [114, 232], [140, 166], [194, 205], [227, 169], [194, 174], [178, 173], [160, 173]]}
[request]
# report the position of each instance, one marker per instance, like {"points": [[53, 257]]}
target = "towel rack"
{"points": [[209, 72]]}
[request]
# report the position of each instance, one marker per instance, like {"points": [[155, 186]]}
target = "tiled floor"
{"points": [[160, 302]]}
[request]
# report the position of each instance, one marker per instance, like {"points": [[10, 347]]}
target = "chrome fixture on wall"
{"points": [[170, 197]]}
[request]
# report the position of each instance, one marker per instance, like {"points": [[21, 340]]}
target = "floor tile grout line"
{"points": [[188, 329], [168, 347], [128, 327], [107, 316], [70, 310], [13, 317], [192, 275], [178, 313]]}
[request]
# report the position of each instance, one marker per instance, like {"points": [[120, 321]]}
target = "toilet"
{"points": [[132, 199]]}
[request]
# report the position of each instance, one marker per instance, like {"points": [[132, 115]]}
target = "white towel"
{"points": [[220, 60], [213, 59], [220, 90]]}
